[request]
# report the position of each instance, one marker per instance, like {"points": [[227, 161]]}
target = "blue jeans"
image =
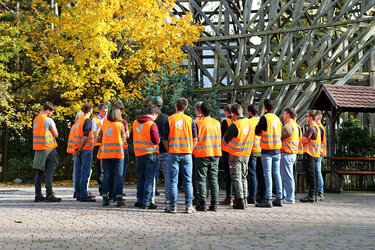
{"points": [[286, 170], [320, 177], [113, 169], [146, 165], [82, 172], [252, 178], [271, 164], [185, 163], [163, 163]]}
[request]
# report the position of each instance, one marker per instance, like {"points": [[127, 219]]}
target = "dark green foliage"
{"points": [[355, 141]]}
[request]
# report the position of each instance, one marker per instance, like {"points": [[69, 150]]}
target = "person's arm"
{"points": [[166, 136], [95, 129], [224, 127], [52, 127], [308, 135], [262, 125], [154, 133], [195, 133], [100, 136], [87, 127], [231, 132], [123, 134], [126, 126], [286, 131], [54, 132]]}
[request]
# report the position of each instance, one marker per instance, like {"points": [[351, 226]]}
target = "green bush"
{"points": [[355, 141], [20, 169]]}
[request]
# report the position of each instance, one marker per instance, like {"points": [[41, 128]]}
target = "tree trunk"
{"points": [[5, 153]]}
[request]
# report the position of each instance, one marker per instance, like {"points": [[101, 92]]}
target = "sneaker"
{"points": [[52, 198], [228, 202], [288, 202], [120, 202], [138, 204], [39, 198], [190, 209], [89, 194], [320, 197], [87, 199], [277, 203], [171, 209], [213, 208], [307, 199], [105, 201], [265, 203], [151, 206]]}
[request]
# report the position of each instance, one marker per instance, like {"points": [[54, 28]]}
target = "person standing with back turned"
{"points": [[179, 138]]}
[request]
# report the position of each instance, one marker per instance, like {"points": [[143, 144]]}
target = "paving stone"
{"points": [[342, 221]]}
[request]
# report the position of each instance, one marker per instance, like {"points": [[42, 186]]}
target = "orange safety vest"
{"points": [[197, 121], [180, 139], [42, 140], [112, 145], [313, 146], [243, 143], [142, 139], [224, 146], [290, 144], [209, 138], [271, 139], [71, 141], [78, 135], [256, 147], [323, 146], [300, 145]]}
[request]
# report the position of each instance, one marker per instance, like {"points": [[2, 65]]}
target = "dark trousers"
{"points": [[311, 172], [195, 179], [228, 180], [50, 165], [260, 179], [99, 170], [255, 178]]}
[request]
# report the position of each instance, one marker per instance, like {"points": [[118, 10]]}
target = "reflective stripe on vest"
{"points": [[180, 139], [209, 138], [112, 144], [42, 140], [224, 146], [256, 147], [313, 146], [71, 141], [271, 139], [78, 135], [243, 143], [323, 145], [290, 144], [142, 139]]}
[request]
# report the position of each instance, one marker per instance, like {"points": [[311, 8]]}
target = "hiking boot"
{"points": [[320, 197], [239, 204], [87, 199], [89, 194], [190, 209], [228, 202], [171, 210], [250, 201], [151, 206], [201, 207], [307, 199], [120, 202], [52, 198], [105, 202], [138, 204], [39, 198], [213, 208], [264, 203], [277, 203]]}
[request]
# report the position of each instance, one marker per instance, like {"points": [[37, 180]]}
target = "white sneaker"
{"points": [[190, 210], [288, 202]]}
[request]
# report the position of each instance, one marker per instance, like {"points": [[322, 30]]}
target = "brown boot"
{"points": [[239, 204], [226, 202]]}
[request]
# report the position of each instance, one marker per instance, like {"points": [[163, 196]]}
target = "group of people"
{"points": [[253, 150]]}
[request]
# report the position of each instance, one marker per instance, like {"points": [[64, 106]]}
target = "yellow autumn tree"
{"points": [[97, 50]]}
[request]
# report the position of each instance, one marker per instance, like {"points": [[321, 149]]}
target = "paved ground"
{"points": [[342, 221]]}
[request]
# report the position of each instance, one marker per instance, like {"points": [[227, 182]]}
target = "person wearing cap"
{"points": [[163, 154]]}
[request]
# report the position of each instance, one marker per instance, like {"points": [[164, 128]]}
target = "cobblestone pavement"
{"points": [[342, 221]]}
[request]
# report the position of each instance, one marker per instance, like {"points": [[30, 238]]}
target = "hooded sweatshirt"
{"points": [[154, 133]]}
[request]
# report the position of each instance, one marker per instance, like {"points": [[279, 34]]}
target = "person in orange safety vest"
{"points": [[207, 155], [323, 153], [45, 158]]}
